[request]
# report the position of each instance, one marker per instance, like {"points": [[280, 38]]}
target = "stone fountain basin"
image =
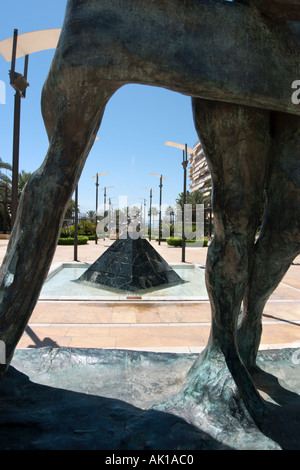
{"points": [[62, 284]]}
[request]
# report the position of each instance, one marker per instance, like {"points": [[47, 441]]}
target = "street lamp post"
{"points": [[97, 185], [11, 49], [76, 224], [150, 207], [144, 224], [184, 165], [5, 203], [104, 189], [110, 212], [185, 148], [161, 177], [19, 83]]}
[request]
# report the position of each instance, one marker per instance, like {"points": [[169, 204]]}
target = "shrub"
{"points": [[86, 228], [81, 240], [65, 233], [178, 241], [174, 241]]}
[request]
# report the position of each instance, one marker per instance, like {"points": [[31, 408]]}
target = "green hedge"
{"points": [[178, 241], [81, 240], [84, 228]]}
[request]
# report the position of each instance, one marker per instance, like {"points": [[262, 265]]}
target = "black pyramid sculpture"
{"points": [[130, 265]]}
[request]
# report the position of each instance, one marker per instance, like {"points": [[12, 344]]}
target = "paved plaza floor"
{"points": [[164, 326]]}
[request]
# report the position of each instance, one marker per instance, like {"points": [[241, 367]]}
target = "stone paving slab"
{"points": [[151, 326]]}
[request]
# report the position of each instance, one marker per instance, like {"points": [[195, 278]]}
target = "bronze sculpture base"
{"points": [[44, 405]]}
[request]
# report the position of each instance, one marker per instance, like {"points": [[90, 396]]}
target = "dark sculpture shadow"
{"points": [[282, 425], [269, 384], [40, 343], [282, 419], [281, 319], [34, 416]]}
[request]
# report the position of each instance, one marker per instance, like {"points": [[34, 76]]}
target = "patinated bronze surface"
{"points": [[237, 60]]}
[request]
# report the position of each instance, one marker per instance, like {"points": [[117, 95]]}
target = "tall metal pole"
{"points": [[97, 185], [20, 88], [25, 73], [104, 215], [150, 214], [145, 218], [160, 200], [104, 211], [110, 216], [5, 210], [5, 203], [76, 223], [184, 164], [185, 149], [15, 165], [104, 201], [13, 58], [161, 177], [16, 134], [150, 189]]}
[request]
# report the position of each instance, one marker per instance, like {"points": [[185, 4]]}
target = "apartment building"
{"points": [[199, 174], [200, 178]]}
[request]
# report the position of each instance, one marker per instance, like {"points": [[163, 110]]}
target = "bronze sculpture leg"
{"points": [[235, 139], [279, 241], [248, 149], [236, 142], [72, 117]]}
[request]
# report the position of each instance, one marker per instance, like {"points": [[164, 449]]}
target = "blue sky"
{"points": [[137, 122]]}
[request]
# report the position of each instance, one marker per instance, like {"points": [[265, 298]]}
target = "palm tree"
{"points": [[195, 197], [70, 210], [5, 194], [6, 190], [91, 215], [154, 215], [4, 179], [23, 178]]}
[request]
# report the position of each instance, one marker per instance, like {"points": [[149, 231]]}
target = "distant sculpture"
{"points": [[238, 61], [132, 265]]}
